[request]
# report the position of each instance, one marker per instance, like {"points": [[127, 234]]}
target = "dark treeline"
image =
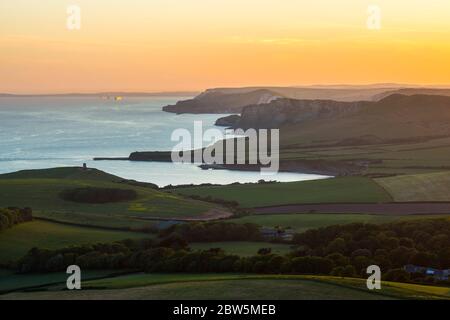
{"points": [[214, 231], [12, 216], [391, 246], [345, 250], [98, 195], [170, 254]]}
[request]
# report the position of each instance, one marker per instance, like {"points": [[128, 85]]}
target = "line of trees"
{"points": [[391, 246], [12, 216], [214, 231], [344, 250]]}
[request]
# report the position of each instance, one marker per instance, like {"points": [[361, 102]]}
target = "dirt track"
{"points": [[372, 208]]}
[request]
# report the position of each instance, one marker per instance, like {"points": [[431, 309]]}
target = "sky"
{"points": [[191, 45]]}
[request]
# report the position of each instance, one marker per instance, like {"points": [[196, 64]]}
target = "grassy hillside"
{"points": [[397, 135], [242, 248], [41, 189], [71, 173], [15, 242], [143, 279], [388, 120], [214, 286], [418, 187], [223, 290], [343, 189], [9, 280], [302, 222]]}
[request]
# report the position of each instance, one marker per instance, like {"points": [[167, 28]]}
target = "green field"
{"points": [[234, 286], [302, 222], [418, 187], [16, 241], [337, 190], [146, 279], [9, 280], [220, 290], [242, 248], [397, 159], [40, 189]]}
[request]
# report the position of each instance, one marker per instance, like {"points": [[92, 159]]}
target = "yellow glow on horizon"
{"points": [[163, 45]]}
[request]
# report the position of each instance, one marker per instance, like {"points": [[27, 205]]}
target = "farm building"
{"points": [[277, 234], [435, 273]]}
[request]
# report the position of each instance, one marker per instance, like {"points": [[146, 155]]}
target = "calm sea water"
{"points": [[40, 133]]}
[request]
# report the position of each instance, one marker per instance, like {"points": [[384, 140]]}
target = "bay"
{"points": [[48, 132]]}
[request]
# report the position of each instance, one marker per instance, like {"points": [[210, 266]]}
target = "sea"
{"points": [[46, 132]]}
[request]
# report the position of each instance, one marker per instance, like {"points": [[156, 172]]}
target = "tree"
{"points": [[424, 259], [312, 265], [397, 275], [338, 259], [275, 264], [264, 251], [349, 271], [362, 252], [336, 246], [401, 256]]}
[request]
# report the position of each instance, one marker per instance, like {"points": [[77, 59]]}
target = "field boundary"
{"points": [[90, 226], [33, 288], [390, 208]]}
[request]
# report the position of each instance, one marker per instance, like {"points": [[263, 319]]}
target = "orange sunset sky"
{"points": [[169, 45]]}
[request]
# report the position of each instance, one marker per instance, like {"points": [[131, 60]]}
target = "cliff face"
{"points": [[228, 121], [218, 102], [233, 100], [394, 119], [288, 111]]}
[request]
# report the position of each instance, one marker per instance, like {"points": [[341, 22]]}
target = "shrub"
{"points": [[12, 216], [98, 195]]}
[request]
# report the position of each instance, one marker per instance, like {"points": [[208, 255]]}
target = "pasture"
{"points": [[334, 190], [41, 190], [16, 241]]}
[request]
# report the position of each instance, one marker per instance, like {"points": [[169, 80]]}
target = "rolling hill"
{"points": [[337, 190], [15, 242], [41, 190], [231, 286], [396, 118], [414, 91], [400, 134]]}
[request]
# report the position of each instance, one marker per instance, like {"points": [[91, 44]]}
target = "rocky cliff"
{"points": [[394, 119], [219, 102], [289, 111], [233, 100]]}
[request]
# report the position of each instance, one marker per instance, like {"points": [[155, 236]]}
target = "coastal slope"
{"points": [[233, 100]]}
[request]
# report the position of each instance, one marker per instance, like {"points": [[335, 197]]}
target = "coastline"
{"points": [[320, 167]]}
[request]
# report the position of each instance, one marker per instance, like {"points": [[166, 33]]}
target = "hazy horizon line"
{"points": [[189, 92]]}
